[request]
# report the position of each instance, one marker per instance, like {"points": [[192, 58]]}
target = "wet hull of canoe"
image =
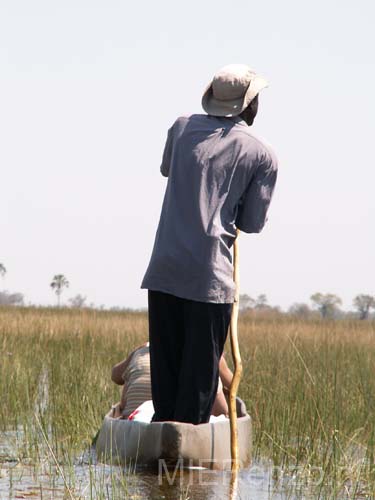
{"points": [[205, 445]]}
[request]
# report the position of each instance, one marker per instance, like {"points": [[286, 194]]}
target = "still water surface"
{"points": [[86, 478]]}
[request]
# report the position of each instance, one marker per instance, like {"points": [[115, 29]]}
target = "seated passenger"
{"points": [[134, 374]]}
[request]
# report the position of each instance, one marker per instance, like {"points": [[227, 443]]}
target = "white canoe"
{"points": [[205, 445]]}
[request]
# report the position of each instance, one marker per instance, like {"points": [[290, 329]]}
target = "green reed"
{"points": [[308, 385]]}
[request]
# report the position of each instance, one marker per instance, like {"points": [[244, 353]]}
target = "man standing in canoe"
{"points": [[220, 178]]}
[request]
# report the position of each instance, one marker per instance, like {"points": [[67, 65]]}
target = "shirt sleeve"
{"points": [[166, 161], [254, 204]]}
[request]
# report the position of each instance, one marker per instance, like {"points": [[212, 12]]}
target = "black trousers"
{"points": [[186, 342]]}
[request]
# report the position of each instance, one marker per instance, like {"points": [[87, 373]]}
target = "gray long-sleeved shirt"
{"points": [[220, 177]]}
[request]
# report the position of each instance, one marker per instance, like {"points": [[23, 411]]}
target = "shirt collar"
{"points": [[239, 120], [236, 119]]}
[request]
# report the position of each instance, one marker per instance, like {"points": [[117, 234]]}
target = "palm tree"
{"points": [[3, 270], [59, 282]]}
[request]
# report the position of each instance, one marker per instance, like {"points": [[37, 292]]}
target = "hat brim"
{"points": [[233, 107]]}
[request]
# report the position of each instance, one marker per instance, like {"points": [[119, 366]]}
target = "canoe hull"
{"points": [[204, 445]]}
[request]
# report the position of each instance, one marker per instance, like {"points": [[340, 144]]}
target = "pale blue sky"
{"points": [[88, 90]]}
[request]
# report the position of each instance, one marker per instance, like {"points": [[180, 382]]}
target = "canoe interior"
{"points": [[158, 444]]}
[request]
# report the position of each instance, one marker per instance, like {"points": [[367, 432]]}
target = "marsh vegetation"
{"points": [[308, 385]]}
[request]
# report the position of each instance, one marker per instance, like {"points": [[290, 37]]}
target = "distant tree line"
{"points": [[325, 305]]}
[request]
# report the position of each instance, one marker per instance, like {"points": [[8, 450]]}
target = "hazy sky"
{"points": [[88, 90]]}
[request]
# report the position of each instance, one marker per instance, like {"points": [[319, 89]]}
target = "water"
{"points": [[101, 481], [86, 478]]}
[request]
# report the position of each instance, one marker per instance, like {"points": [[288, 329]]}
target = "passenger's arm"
{"points": [[118, 370], [225, 373]]}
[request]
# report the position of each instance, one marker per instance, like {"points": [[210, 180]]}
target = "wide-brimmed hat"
{"points": [[231, 90]]}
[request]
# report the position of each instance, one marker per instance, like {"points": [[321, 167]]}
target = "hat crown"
{"points": [[231, 82], [231, 90]]}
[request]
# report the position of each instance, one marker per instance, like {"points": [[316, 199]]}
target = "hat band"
{"points": [[233, 97]]}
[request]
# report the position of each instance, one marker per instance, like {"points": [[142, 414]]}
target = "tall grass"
{"points": [[55, 380], [309, 387], [58, 362]]}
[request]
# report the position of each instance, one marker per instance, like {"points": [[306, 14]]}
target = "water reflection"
{"points": [[210, 485], [88, 479], [103, 481]]}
